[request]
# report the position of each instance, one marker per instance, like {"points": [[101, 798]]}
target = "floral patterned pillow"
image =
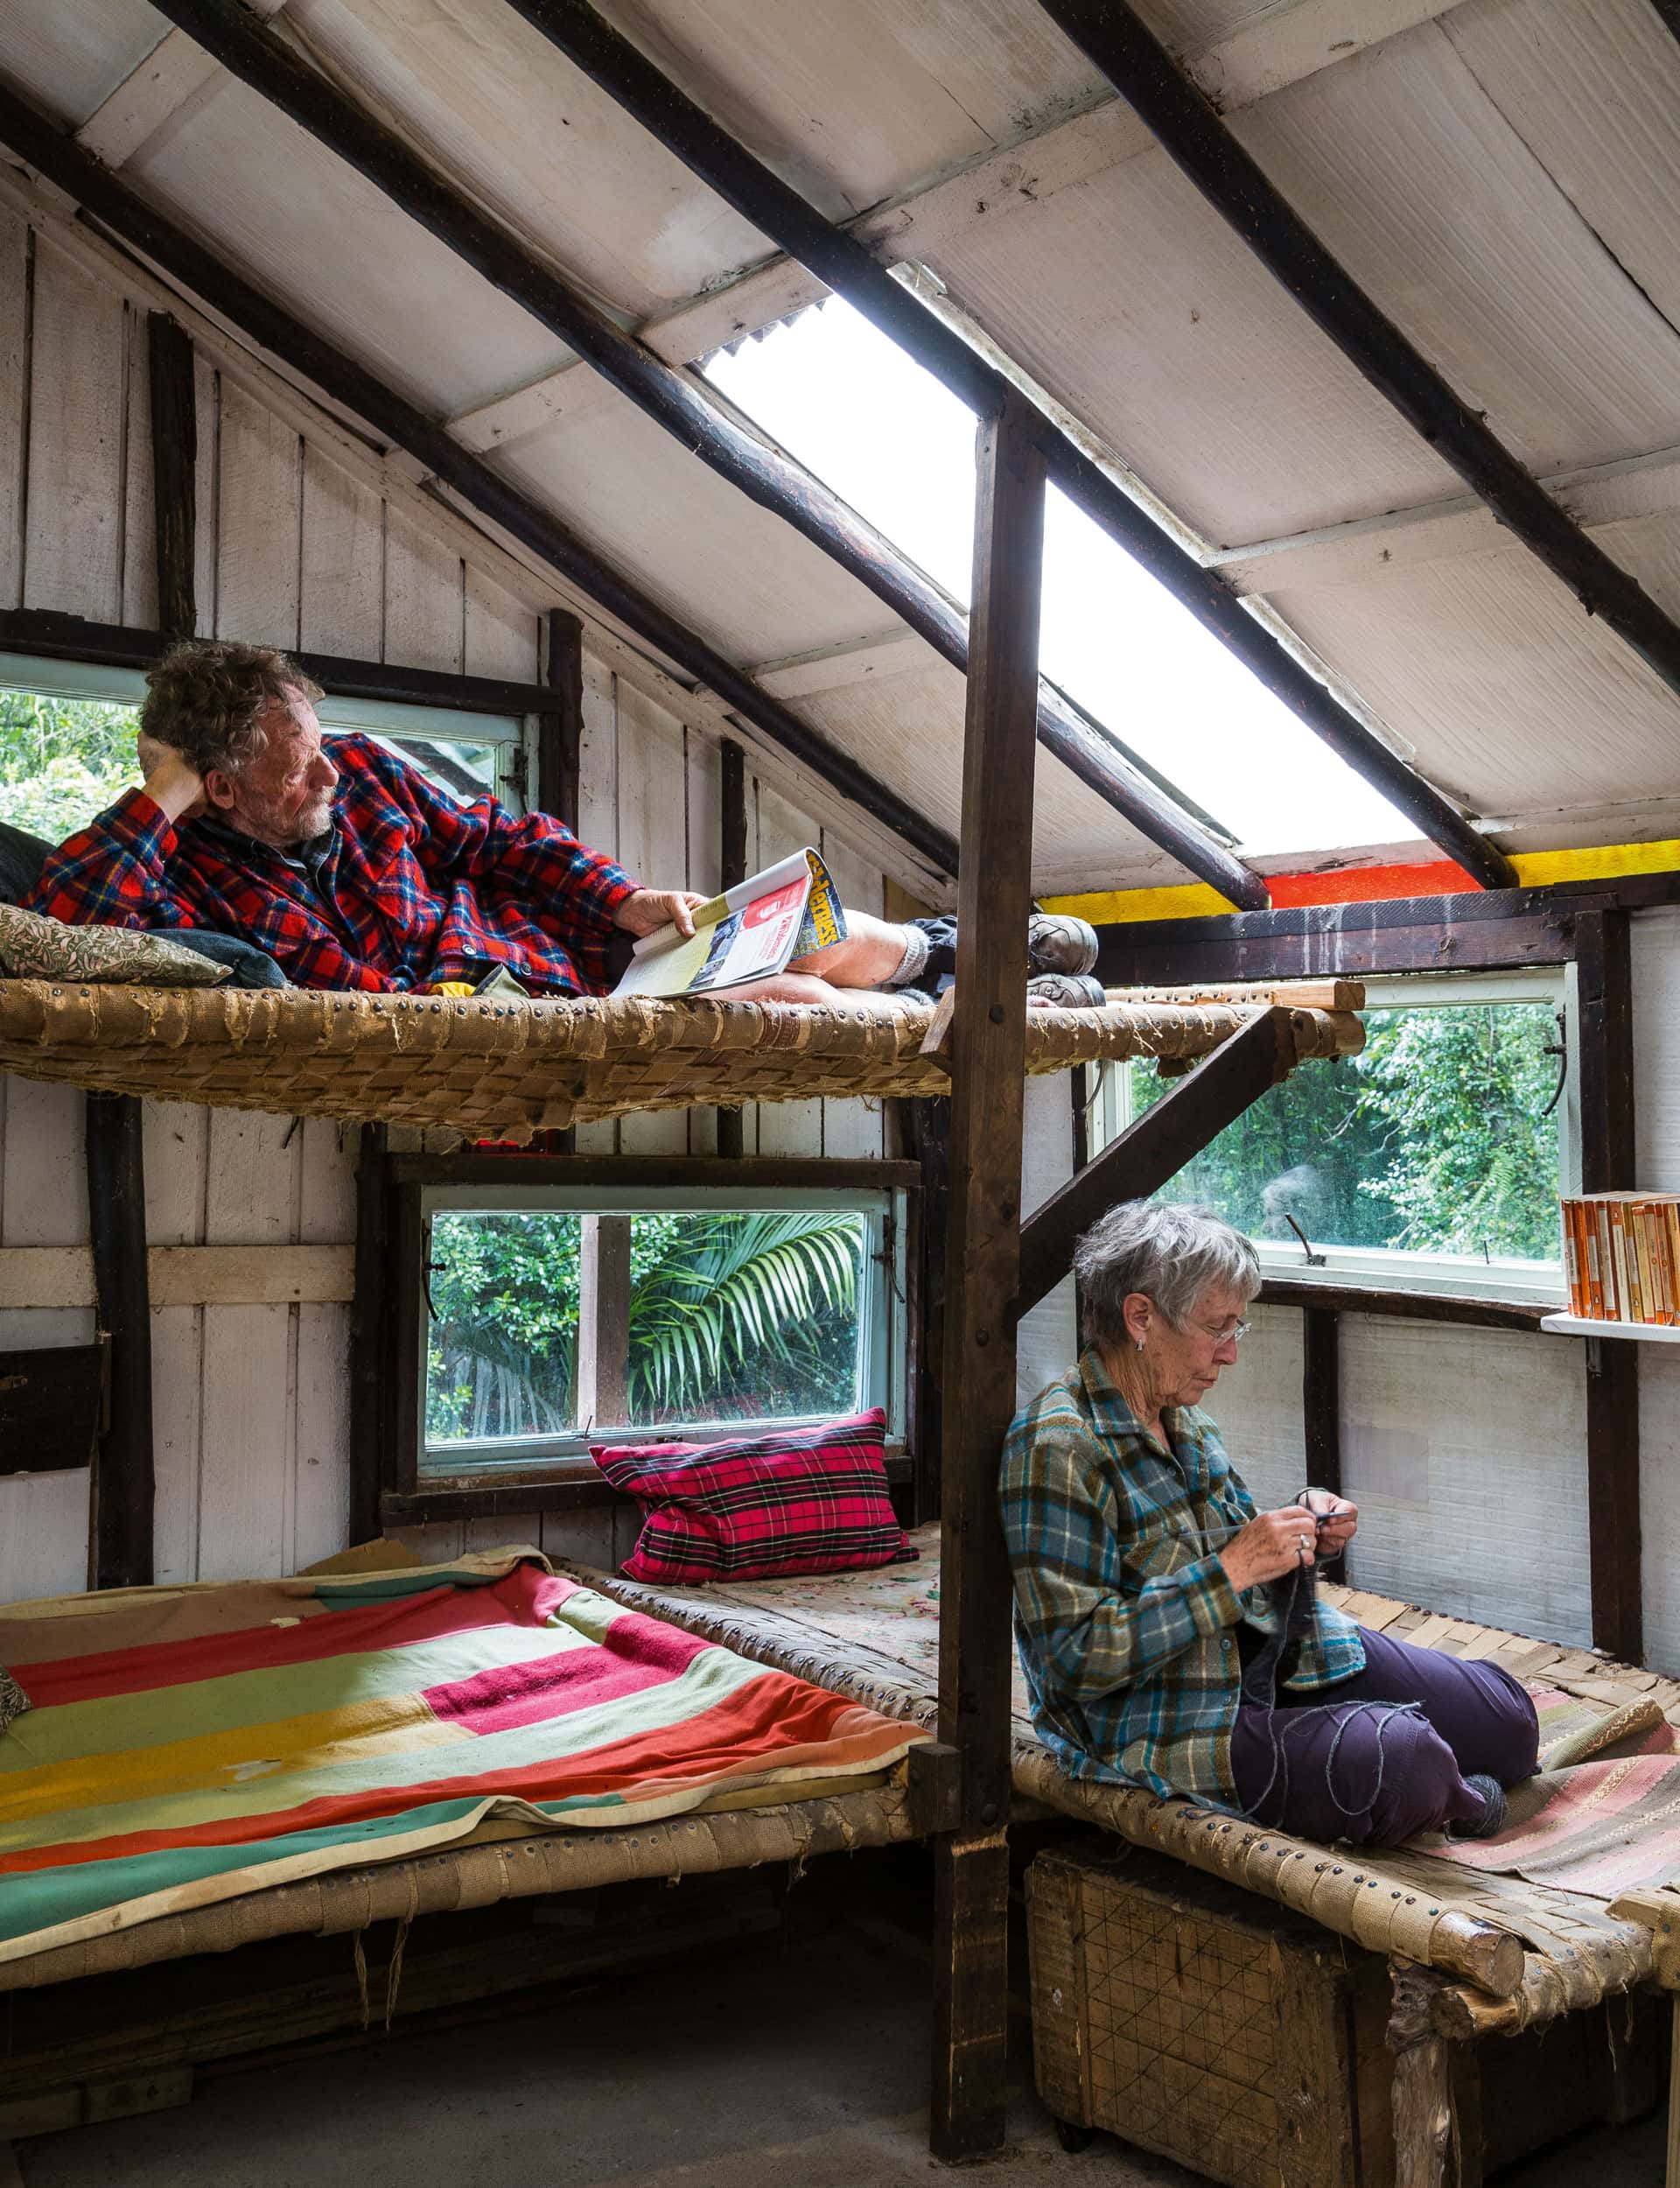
{"points": [[34, 947], [13, 1700]]}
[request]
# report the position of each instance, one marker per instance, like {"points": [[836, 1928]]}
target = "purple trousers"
{"points": [[1345, 1763]]}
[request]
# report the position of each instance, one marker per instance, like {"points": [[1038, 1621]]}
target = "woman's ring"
{"points": [[1300, 1541]]}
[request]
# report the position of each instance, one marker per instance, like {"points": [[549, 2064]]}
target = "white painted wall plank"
{"points": [[702, 829], [423, 598], [343, 564], [323, 1432], [14, 401], [1048, 1338], [43, 1517], [73, 543], [44, 1176], [244, 1489], [502, 634], [176, 1393], [260, 493]]}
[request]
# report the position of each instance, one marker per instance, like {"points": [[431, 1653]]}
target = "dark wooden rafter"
{"points": [[1156, 1147], [757, 192], [143, 229], [369, 1332], [1188, 128], [988, 1063], [1604, 1017], [697, 417]]}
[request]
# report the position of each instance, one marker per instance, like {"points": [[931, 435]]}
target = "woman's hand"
{"points": [[1343, 1516], [649, 909], [1276, 1543]]}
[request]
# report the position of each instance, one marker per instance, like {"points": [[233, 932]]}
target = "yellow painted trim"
{"points": [[1600, 863], [1195, 899], [1535, 869]]}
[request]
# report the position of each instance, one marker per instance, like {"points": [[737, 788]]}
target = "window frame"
{"points": [[562, 1474], [398, 722], [1380, 1269]]}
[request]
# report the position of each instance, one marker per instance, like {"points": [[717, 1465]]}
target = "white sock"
{"points": [[914, 963]]}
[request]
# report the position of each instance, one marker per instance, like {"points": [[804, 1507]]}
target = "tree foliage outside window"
{"points": [[62, 761], [734, 1315], [1433, 1140]]}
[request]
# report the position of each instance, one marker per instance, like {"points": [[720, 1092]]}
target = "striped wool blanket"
{"points": [[190, 1744]]}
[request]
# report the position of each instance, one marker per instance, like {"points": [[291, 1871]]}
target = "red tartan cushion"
{"points": [[794, 1500]]}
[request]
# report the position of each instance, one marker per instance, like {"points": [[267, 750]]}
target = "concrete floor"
{"points": [[775, 2065]]}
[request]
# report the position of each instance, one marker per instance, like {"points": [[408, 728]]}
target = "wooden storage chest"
{"points": [[1199, 2021]]}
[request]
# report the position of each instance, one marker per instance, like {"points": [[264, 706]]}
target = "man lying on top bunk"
{"points": [[1170, 1632], [352, 871]]}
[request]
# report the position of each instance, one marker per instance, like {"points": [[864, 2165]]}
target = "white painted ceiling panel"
{"points": [[1133, 302], [1512, 697], [494, 105], [1593, 88], [70, 55], [757, 589], [328, 246], [854, 100], [1407, 169]]}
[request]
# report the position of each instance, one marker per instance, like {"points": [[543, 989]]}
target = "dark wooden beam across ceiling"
{"points": [[1188, 128], [760, 195], [692, 414], [46, 147]]}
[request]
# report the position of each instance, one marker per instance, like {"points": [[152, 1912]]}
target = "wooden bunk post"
{"points": [[123, 1485], [1603, 970], [988, 1064], [731, 849]]}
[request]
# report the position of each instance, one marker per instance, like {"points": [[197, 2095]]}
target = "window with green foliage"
{"points": [[552, 1317], [62, 760], [67, 738], [1436, 1156]]}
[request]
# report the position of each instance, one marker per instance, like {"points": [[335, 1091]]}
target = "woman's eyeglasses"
{"points": [[1234, 1335]]}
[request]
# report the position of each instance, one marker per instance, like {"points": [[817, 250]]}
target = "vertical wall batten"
{"points": [[123, 1487]]}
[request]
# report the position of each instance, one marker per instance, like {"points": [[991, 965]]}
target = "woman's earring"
{"points": [[1139, 1344]]}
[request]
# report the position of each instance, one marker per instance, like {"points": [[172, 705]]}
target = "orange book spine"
{"points": [[1588, 1214], [1615, 1270], [1663, 1256], [1628, 1289], [1574, 1261], [1670, 1215], [1639, 1234]]}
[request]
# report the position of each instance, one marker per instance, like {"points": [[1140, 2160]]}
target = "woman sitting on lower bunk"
{"points": [[1170, 1632]]}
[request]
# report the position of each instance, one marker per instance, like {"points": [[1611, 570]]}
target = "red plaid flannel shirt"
{"points": [[414, 888]]}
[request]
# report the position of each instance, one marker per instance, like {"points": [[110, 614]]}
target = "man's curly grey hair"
{"points": [[1171, 1252]]}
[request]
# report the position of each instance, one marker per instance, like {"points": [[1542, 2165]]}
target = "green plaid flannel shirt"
{"points": [[1125, 1621]]}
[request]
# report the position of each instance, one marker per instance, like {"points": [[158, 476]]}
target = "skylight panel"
{"points": [[897, 446]]}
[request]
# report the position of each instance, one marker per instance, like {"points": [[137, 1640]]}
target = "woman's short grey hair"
{"points": [[1173, 1253]]}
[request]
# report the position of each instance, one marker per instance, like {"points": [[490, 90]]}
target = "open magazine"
{"points": [[747, 934]]}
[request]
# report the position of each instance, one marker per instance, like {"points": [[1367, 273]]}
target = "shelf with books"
{"points": [[1621, 1258], [1592, 1326]]}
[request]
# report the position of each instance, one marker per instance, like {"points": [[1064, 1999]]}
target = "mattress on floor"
{"points": [[190, 1745]]}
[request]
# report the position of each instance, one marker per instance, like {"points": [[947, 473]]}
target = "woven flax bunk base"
{"points": [[477, 1876], [511, 1068], [1518, 1954]]}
